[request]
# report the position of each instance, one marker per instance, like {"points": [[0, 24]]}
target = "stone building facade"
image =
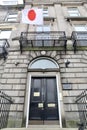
{"points": [[52, 75]]}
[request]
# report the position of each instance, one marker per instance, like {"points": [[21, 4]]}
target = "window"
{"points": [[5, 34], [82, 27], [44, 35], [81, 34], [43, 63], [12, 17], [45, 12], [43, 28], [9, 2], [73, 12]]}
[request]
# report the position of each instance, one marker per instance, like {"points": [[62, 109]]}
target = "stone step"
{"points": [[44, 126], [41, 127]]}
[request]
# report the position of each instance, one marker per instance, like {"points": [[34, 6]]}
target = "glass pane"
{"points": [[80, 28], [45, 13], [73, 12], [46, 28], [5, 34], [12, 16], [11, 19], [43, 64], [39, 29], [9, 2]]}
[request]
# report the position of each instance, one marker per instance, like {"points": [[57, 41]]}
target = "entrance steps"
{"points": [[41, 127]]}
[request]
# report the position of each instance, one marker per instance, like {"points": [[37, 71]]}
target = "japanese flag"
{"points": [[32, 16]]}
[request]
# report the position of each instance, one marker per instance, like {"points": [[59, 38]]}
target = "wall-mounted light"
{"points": [[16, 63], [67, 62]]}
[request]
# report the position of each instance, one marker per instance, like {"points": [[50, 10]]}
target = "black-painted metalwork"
{"points": [[5, 102], [3, 48], [79, 39], [43, 39], [81, 101]]}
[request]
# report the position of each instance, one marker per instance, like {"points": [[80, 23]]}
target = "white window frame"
{"points": [[11, 17], [73, 12], [5, 34]]}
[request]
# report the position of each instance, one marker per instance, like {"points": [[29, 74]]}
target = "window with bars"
{"points": [[73, 11]]}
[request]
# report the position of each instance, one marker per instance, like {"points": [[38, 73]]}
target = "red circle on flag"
{"points": [[31, 15]]}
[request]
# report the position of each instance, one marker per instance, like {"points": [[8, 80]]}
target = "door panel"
{"points": [[43, 102]]}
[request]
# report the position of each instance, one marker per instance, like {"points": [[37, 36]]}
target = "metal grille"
{"points": [[42, 39], [5, 102], [82, 107]]}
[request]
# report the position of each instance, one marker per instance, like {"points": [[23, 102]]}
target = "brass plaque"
{"points": [[51, 105], [36, 94], [40, 105]]}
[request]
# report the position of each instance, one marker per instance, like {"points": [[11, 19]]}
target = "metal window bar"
{"points": [[79, 39], [5, 102], [42, 39], [81, 101]]}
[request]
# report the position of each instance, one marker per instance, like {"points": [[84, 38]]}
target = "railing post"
{"points": [[5, 102]]}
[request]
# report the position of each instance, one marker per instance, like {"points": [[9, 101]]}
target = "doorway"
{"points": [[43, 100]]}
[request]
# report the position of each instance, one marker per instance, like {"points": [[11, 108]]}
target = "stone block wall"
{"points": [[14, 80]]}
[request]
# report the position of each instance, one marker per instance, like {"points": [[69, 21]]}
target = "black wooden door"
{"points": [[43, 101]]}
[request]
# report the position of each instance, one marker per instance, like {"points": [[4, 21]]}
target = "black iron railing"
{"points": [[42, 39], [81, 101], [79, 39], [3, 48], [5, 102]]}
